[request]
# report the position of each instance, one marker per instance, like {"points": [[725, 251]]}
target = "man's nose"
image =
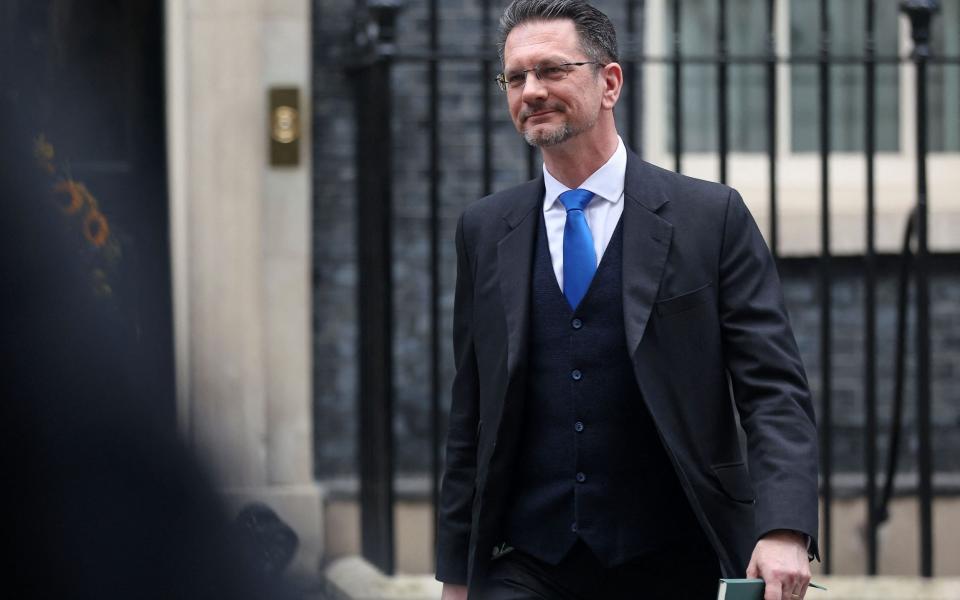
{"points": [[533, 88]]}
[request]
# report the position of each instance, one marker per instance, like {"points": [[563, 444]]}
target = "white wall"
{"points": [[798, 175]]}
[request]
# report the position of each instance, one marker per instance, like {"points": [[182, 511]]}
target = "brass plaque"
{"points": [[284, 127]]}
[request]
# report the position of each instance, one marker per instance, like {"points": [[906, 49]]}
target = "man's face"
{"points": [[549, 112]]}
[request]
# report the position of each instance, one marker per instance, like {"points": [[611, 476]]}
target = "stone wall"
{"points": [[240, 240]]}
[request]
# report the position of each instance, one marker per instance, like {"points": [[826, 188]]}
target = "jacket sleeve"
{"points": [[768, 381], [459, 478]]}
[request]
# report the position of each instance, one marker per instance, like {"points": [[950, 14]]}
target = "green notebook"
{"points": [[746, 589]]}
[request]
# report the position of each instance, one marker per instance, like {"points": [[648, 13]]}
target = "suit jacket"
{"points": [[704, 319]]}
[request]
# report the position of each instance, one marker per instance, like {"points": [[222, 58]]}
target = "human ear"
{"points": [[612, 75]]}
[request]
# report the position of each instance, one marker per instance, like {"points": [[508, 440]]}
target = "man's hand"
{"points": [[780, 559], [453, 592]]}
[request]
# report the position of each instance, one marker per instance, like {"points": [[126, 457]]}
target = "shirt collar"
{"points": [[606, 182]]}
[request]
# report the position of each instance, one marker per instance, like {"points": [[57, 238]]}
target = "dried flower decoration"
{"points": [[81, 207]]}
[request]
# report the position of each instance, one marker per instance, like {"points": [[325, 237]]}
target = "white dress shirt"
{"points": [[602, 214]]}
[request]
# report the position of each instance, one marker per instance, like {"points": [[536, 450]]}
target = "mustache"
{"points": [[533, 109]]}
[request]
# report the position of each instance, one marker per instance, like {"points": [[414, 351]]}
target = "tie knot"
{"points": [[576, 199]]}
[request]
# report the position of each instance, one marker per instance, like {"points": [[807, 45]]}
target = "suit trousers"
{"points": [[688, 573]]}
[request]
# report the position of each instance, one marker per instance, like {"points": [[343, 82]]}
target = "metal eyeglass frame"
{"points": [[538, 71]]}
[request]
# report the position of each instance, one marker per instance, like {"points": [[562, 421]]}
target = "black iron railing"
{"points": [[377, 52]]}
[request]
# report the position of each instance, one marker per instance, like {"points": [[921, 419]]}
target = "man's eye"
{"points": [[516, 78], [553, 72]]}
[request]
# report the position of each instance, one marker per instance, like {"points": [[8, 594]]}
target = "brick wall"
{"points": [[800, 281]]}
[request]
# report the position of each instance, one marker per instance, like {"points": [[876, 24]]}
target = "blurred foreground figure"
{"points": [[102, 500]]}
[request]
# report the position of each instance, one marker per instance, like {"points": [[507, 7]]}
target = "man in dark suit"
{"points": [[611, 320]]}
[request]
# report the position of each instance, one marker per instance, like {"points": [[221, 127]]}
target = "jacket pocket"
{"points": [[735, 481], [684, 301]]}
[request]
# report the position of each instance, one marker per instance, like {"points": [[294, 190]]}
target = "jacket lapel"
{"points": [[515, 262], [646, 244]]}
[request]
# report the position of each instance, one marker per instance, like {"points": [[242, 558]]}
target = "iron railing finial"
{"points": [[375, 32], [920, 13]]}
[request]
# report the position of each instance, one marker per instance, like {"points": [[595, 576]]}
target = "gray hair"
{"points": [[598, 38]]}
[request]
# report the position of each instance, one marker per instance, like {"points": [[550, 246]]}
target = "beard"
{"points": [[556, 134]]}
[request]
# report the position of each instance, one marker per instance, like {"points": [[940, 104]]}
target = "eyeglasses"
{"points": [[544, 72]]}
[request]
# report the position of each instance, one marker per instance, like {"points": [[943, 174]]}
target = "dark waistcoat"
{"points": [[591, 463]]}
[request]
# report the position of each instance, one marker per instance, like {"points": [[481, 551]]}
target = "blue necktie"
{"points": [[579, 257]]}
